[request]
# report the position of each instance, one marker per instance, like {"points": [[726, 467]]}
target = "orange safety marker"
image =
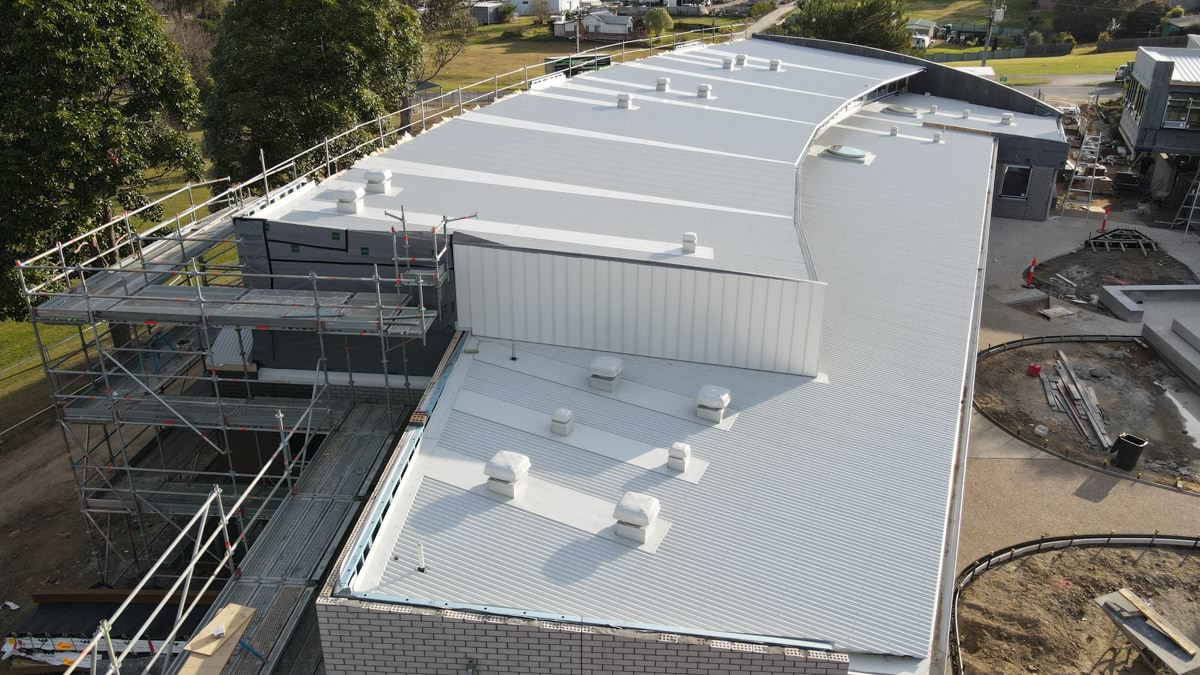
{"points": [[1029, 276], [1104, 223]]}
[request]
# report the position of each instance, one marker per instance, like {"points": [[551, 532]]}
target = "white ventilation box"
{"points": [[712, 402], [704, 91], [562, 422], [678, 456], [662, 84], [689, 242], [727, 63], [349, 199], [379, 181], [623, 101], [505, 471], [635, 514], [605, 373], [740, 60], [776, 65]]}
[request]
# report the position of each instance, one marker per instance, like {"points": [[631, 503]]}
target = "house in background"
{"points": [[525, 7], [923, 28], [603, 25]]}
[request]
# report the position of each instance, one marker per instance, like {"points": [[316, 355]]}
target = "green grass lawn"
{"points": [[1086, 63], [966, 11]]}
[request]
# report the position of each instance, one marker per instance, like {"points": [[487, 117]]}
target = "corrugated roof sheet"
{"points": [[566, 158], [1186, 60], [822, 511]]}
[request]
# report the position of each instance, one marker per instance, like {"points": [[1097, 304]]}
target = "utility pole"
{"points": [[993, 16]]}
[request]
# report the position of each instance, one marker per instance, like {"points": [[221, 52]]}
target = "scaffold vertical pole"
{"points": [[319, 322], [383, 350]]}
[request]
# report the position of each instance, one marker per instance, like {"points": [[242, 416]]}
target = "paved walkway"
{"points": [[1014, 492], [769, 20]]}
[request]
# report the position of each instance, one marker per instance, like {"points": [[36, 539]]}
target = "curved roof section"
{"points": [[566, 158]]}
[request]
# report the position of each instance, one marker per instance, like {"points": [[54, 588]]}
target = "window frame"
{"points": [[1004, 181]]}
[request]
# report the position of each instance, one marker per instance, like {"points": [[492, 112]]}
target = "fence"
{"points": [[1130, 44], [1054, 49]]}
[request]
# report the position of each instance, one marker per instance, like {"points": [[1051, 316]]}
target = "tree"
{"points": [[1086, 20], [1035, 38], [873, 23], [289, 73], [506, 12], [94, 103], [540, 9], [761, 9], [446, 29], [658, 21]]}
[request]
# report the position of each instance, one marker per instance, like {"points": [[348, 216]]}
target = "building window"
{"points": [[1016, 182], [1135, 97], [1183, 110]]}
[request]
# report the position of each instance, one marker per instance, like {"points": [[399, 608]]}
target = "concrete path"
{"points": [[775, 16], [1015, 492]]}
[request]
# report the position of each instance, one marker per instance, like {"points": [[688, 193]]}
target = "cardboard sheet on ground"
{"points": [[208, 653]]}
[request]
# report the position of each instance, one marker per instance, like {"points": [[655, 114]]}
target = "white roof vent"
{"points": [[562, 422], [379, 181], [933, 110], [605, 373], [635, 515], [704, 91], [727, 63], [623, 101], [349, 199], [966, 113], [906, 110], [1007, 118], [847, 152], [678, 456], [689, 242], [937, 137], [712, 402], [740, 60], [505, 471], [895, 131], [662, 84], [776, 65]]}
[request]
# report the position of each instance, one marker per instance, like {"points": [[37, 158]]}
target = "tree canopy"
{"points": [[446, 28], [94, 104], [1086, 22], [872, 23], [289, 73], [658, 21]]}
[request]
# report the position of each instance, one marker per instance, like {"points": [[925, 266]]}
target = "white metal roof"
{"points": [[982, 118], [820, 512], [565, 158], [1186, 60]]}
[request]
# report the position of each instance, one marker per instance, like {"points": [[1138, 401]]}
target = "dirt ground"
{"points": [[1090, 270], [1130, 382], [1036, 614], [43, 543]]}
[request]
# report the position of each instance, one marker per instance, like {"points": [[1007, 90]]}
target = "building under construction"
{"points": [[703, 219]]}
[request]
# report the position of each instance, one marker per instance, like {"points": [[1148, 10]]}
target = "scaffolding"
{"points": [[180, 454]]}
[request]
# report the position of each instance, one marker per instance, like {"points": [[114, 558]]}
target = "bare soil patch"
{"points": [[1036, 614], [1089, 270], [1134, 387]]}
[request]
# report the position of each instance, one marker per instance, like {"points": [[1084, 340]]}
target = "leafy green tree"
{"points": [[658, 21], [1034, 39], [873, 23], [289, 73], [1086, 20], [506, 12], [761, 9], [1144, 19], [94, 103], [446, 29]]}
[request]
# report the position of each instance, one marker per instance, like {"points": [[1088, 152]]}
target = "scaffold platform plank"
{"points": [[202, 412]]}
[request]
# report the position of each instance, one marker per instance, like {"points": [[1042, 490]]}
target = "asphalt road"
{"points": [[1073, 89], [771, 19]]}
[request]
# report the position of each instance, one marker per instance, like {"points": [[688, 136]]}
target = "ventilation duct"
{"points": [[704, 91], [740, 60], [727, 63], [689, 242], [933, 110], [504, 471], [1006, 118], [776, 65], [895, 131], [937, 137], [379, 181], [712, 402], [635, 515], [562, 422], [349, 199], [623, 101], [662, 84], [966, 113], [605, 373]]}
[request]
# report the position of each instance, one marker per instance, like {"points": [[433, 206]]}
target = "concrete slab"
{"points": [[989, 441]]}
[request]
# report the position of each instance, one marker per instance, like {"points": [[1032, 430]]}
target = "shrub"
{"points": [[1035, 38], [506, 12]]}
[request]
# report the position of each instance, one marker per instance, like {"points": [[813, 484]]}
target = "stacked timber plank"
{"points": [[1067, 394]]}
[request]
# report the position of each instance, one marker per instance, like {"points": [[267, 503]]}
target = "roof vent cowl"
{"points": [[712, 402], [349, 199], [379, 181], [505, 471], [605, 373], [704, 91], [679, 456], [562, 422], [636, 514], [662, 84]]}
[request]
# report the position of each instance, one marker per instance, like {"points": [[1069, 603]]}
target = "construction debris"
{"points": [[1056, 312], [1121, 239], [1065, 393], [1146, 629]]}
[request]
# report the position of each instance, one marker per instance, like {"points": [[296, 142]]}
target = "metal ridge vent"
{"points": [[847, 152], [906, 110]]}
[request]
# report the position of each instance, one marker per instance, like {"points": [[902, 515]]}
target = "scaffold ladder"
{"points": [[1081, 187], [1188, 214]]}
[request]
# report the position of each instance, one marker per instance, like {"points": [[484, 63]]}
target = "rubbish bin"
{"points": [[1128, 450]]}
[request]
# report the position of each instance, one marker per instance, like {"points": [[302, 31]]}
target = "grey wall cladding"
{"points": [[364, 638], [1039, 196]]}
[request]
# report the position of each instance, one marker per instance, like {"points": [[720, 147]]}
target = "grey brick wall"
{"points": [[359, 637], [1036, 206]]}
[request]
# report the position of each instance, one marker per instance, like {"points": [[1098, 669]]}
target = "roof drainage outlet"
{"points": [[906, 110], [847, 152]]}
